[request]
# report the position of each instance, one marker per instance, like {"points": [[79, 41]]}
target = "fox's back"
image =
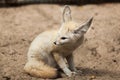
{"points": [[44, 39], [42, 43]]}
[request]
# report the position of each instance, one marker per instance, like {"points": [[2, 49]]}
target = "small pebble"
{"points": [[92, 77]]}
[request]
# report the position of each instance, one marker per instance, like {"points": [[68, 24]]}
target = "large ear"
{"points": [[67, 14], [84, 27]]}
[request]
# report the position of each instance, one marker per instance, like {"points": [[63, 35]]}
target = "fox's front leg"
{"points": [[71, 64], [60, 61]]}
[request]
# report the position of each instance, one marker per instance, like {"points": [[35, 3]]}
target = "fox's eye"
{"points": [[63, 38]]}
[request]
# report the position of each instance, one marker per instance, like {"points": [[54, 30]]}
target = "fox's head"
{"points": [[70, 32]]}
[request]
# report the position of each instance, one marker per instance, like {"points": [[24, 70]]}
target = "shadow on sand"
{"points": [[96, 72]]}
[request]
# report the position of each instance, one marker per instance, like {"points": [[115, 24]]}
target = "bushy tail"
{"points": [[39, 69]]}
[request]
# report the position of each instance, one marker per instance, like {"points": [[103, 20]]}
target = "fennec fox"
{"points": [[53, 49]]}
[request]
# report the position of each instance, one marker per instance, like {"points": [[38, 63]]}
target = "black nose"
{"points": [[55, 43]]}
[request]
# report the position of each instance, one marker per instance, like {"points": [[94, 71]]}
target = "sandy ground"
{"points": [[98, 56]]}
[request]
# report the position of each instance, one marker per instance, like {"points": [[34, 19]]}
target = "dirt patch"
{"points": [[98, 57]]}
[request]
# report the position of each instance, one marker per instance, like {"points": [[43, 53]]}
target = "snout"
{"points": [[55, 43]]}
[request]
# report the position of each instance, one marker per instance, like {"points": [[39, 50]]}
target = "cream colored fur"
{"points": [[51, 49]]}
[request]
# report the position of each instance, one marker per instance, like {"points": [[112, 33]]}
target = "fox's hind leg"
{"points": [[40, 69]]}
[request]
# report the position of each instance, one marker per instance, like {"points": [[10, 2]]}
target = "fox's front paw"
{"points": [[71, 74]]}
